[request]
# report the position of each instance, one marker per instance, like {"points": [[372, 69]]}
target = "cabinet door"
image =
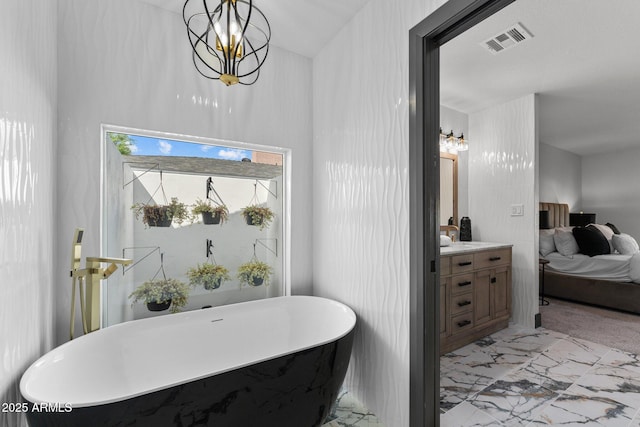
{"points": [[444, 307], [501, 292], [482, 297]]}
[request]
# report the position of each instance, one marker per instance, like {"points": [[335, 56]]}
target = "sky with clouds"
{"points": [[147, 146]]}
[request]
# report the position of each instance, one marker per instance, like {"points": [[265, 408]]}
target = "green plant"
{"points": [[208, 275], [122, 141], [258, 215], [178, 211], [201, 207], [152, 214], [160, 291], [257, 270]]}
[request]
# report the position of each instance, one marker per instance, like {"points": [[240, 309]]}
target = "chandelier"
{"points": [[451, 143], [229, 38]]}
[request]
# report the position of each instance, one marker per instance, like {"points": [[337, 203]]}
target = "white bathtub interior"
{"points": [[138, 357]]}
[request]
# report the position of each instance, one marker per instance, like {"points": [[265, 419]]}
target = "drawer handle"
{"points": [[467, 283], [493, 280], [463, 303], [495, 258], [464, 323], [462, 264]]}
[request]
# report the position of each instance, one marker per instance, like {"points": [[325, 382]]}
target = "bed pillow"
{"points": [[546, 243], [625, 244], [565, 242], [613, 227], [607, 232], [591, 241]]}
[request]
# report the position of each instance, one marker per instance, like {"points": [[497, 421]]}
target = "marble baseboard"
{"points": [[520, 377]]}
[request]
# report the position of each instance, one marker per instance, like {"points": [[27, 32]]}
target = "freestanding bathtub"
{"points": [[273, 362]]}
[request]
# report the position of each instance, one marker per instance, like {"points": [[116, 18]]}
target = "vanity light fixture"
{"points": [[229, 38], [451, 143]]}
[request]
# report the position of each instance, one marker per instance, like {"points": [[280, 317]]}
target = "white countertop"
{"points": [[464, 247]]}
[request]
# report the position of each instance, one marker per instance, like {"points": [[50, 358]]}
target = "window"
{"points": [[155, 189]]}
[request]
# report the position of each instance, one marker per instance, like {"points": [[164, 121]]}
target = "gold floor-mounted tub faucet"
{"points": [[88, 280]]}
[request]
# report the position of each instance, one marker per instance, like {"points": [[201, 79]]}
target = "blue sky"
{"points": [[147, 146]]}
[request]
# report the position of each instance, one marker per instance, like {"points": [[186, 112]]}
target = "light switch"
{"points": [[517, 210]]}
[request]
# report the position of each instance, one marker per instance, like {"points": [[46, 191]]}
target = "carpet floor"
{"points": [[607, 327]]}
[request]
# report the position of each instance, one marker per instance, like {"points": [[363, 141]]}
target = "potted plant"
{"points": [[258, 215], [161, 215], [159, 294], [210, 214], [210, 276], [254, 273]]}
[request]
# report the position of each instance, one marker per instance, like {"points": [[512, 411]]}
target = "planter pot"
{"points": [[250, 220], [211, 217], [156, 216], [257, 281], [212, 284], [158, 306]]}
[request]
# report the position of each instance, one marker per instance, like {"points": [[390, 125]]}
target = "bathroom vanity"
{"points": [[475, 292]]}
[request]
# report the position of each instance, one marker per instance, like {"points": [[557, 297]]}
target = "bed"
{"points": [[590, 280]]}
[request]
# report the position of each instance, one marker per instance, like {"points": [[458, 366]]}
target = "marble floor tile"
{"points": [[467, 415], [520, 377], [517, 399], [525, 343], [620, 359], [349, 412], [609, 383], [566, 360], [636, 420], [457, 386], [473, 368], [575, 408]]}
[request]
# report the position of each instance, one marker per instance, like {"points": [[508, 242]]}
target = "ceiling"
{"points": [[584, 61], [300, 26]]}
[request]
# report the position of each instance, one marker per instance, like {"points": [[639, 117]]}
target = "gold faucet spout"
{"points": [[123, 261]]}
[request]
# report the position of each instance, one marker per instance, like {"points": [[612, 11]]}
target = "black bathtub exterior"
{"points": [[295, 390]]}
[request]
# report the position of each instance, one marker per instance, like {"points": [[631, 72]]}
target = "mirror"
{"points": [[143, 173], [448, 188]]}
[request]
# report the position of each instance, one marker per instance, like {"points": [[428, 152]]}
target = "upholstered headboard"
{"points": [[558, 213]]}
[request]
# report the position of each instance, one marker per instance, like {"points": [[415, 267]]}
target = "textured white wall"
{"points": [[117, 233], [560, 177], [27, 190], [127, 63], [361, 194], [502, 172], [610, 189]]}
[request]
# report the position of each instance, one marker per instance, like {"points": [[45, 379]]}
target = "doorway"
{"points": [[425, 39]]}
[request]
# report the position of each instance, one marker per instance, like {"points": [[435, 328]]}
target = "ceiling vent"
{"points": [[512, 36]]}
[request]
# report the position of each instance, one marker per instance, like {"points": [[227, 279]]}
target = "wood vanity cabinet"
{"points": [[475, 295]]}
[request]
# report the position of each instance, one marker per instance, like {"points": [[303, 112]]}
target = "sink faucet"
{"points": [[450, 230], [88, 280]]}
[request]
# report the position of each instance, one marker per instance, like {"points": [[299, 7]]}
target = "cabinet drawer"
{"points": [[462, 322], [461, 263], [461, 303], [445, 265], [461, 284], [492, 258]]}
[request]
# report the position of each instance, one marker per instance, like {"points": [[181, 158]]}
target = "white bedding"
{"points": [[620, 268]]}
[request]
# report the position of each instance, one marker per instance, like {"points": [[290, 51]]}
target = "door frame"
{"points": [[425, 39]]}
